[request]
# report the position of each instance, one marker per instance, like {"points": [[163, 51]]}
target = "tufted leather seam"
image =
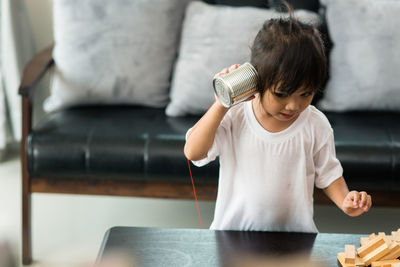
{"points": [[87, 151], [146, 146], [392, 149]]}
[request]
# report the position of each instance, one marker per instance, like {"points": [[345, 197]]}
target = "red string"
{"points": [[195, 196]]}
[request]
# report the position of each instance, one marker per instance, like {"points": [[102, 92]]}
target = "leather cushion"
{"points": [[129, 142], [118, 142]]}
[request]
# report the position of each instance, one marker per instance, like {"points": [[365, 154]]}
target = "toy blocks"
{"points": [[396, 235], [349, 254], [375, 251], [358, 261], [394, 251], [388, 263]]}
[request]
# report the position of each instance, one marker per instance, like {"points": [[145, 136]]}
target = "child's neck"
{"points": [[268, 121]]}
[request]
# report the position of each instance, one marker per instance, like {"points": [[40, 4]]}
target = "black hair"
{"points": [[288, 55]]}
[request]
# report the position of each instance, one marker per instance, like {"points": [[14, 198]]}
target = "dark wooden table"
{"points": [[194, 247]]}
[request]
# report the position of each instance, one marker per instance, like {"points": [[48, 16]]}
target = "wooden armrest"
{"points": [[34, 71]]}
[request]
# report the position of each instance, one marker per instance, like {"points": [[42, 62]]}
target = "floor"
{"points": [[68, 229]]}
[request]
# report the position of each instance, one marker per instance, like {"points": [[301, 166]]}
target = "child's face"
{"points": [[285, 107]]}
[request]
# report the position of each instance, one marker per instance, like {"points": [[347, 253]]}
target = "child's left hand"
{"points": [[356, 203]]}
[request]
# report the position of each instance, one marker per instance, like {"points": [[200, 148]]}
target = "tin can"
{"points": [[237, 85]]}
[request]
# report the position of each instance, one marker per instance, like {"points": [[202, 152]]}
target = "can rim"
{"points": [[230, 100]]}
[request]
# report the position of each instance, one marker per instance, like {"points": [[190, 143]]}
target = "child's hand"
{"points": [[356, 203], [225, 71]]}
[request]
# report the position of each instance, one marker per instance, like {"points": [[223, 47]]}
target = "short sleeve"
{"points": [[327, 166], [220, 136]]}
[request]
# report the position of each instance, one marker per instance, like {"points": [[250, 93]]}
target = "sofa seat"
{"points": [[142, 144], [368, 146], [120, 142]]}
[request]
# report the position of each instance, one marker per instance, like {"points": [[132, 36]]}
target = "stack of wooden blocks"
{"points": [[376, 250]]}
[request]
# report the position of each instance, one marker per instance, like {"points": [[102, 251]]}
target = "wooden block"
{"points": [[396, 237], [376, 254], [394, 251], [349, 254], [370, 246], [341, 259], [387, 263], [387, 238], [359, 262], [363, 240]]}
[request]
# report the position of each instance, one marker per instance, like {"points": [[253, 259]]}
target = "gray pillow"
{"points": [[114, 52], [365, 59], [214, 37]]}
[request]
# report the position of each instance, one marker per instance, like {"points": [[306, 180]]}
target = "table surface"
{"points": [[197, 247]]}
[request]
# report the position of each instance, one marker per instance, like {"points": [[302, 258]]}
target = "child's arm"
{"points": [[201, 137], [352, 203]]}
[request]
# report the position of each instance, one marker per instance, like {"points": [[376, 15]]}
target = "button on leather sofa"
{"points": [[134, 150]]}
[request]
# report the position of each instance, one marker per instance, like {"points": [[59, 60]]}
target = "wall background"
{"points": [[41, 16]]}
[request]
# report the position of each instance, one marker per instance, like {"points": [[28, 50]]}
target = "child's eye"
{"points": [[307, 94], [280, 95]]}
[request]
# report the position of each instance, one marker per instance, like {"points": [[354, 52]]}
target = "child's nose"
{"points": [[293, 105]]}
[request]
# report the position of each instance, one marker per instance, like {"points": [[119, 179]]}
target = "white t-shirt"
{"points": [[266, 180]]}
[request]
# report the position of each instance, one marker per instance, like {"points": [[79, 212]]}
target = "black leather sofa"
{"points": [[138, 151]]}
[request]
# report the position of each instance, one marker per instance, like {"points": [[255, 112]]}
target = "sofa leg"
{"points": [[26, 228], [26, 104]]}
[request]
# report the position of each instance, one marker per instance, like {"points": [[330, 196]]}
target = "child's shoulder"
{"points": [[237, 110], [318, 118]]}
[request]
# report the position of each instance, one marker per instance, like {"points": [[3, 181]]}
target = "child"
{"points": [[274, 147]]}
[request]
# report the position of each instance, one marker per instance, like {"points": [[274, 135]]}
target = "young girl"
{"points": [[274, 147]]}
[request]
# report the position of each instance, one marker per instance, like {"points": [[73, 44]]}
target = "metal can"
{"points": [[237, 85]]}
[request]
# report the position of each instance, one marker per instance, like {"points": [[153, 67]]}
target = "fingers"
{"points": [[226, 70], [222, 72], [366, 201], [348, 201], [250, 98], [358, 200], [353, 199], [233, 67]]}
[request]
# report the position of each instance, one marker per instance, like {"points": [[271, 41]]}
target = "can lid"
{"points": [[222, 91]]}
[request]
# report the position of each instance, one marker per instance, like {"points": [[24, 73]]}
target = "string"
{"points": [[195, 196], [191, 176]]}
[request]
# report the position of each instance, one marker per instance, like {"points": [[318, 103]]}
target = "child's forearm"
{"points": [[201, 137], [337, 191]]}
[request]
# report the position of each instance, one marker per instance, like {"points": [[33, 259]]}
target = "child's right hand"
{"points": [[225, 71]]}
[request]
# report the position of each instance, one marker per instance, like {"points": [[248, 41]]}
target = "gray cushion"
{"points": [[214, 37], [364, 71], [114, 52]]}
